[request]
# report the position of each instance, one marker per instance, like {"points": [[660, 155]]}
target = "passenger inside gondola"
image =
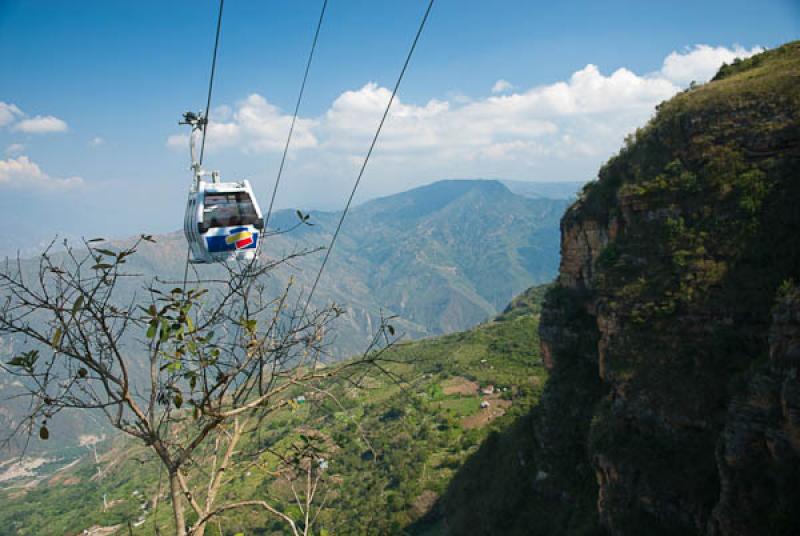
{"points": [[229, 210]]}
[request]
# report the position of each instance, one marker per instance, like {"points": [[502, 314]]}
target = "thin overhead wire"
{"points": [[366, 158], [294, 117], [188, 250], [205, 118], [211, 80]]}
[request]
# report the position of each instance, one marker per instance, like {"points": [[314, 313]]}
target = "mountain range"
{"points": [[653, 388], [440, 258]]}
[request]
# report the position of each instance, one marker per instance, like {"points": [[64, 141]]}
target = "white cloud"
{"points": [[559, 131], [8, 113], [41, 125], [701, 62], [21, 172], [502, 86], [221, 113], [254, 126], [13, 117], [96, 141], [14, 149], [178, 141]]}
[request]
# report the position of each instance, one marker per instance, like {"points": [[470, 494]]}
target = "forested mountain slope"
{"points": [[393, 446], [672, 334], [441, 258]]}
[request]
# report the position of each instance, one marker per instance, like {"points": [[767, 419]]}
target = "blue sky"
{"points": [[92, 91]]}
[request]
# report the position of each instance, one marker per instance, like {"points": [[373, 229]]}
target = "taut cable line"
{"points": [[211, 80], [205, 118], [366, 158], [294, 117]]}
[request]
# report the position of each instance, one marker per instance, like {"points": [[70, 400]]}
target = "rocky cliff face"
{"points": [[673, 334], [758, 452]]}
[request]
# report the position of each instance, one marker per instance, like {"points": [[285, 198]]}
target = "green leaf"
{"points": [[56, 338], [106, 252], [178, 400], [164, 329], [97, 240], [18, 362], [101, 266], [77, 305], [25, 360], [44, 433], [151, 331]]}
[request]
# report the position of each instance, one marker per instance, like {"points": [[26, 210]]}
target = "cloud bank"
{"points": [[502, 86], [11, 116], [559, 131], [22, 173], [701, 62], [41, 125], [8, 113]]}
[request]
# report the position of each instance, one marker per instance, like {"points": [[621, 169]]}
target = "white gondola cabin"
{"points": [[223, 222]]}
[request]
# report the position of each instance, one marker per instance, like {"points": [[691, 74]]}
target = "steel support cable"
{"points": [[247, 277], [205, 118], [366, 158], [294, 117], [211, 80]]}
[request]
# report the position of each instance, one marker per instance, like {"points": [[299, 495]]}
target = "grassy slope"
{"points": [[417, 430]]}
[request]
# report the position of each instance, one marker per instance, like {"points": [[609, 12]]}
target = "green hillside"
{"points": [[440, 258], [416, 434], [672, 334]]}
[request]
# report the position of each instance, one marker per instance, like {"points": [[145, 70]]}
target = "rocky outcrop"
{"points": [[674, 372], [759, 454]]}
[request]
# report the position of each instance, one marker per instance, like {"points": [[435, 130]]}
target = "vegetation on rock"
{"points": [[671, 406]]}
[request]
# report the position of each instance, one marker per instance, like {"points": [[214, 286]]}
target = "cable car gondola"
{"points": [[223, 221]]}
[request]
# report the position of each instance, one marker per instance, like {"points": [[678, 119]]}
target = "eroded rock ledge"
{"points": [[673, 333]]}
